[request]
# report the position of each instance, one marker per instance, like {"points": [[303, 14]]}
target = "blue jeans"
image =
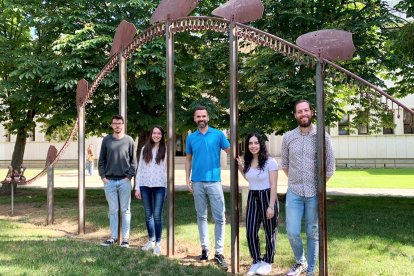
{"points": [[90, 167], [214, 191], [153, 199], [296, 207], [119, 192]]}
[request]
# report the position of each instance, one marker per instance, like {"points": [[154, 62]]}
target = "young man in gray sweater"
{"points": [[117, 165]]}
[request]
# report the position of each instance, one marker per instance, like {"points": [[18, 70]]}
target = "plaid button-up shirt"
{"points": [[299, 158]]}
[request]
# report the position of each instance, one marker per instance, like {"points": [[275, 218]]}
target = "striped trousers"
{"points": [[257, 204]]}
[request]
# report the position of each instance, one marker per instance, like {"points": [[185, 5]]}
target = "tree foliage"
{"points": [[48, 46], [366, 20], [26, 35], [401, 52]]}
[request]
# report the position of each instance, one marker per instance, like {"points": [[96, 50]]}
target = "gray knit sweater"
{"points": [[117, 159]]}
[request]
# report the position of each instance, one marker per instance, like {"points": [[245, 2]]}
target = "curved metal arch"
{"points": [[277, 44], [57, 158], [379, 92], [141, 39], [300, 55], [220, 25], [206, 23]]}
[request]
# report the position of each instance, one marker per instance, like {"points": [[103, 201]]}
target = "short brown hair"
{"points": [[117, 117], [302, 101]]}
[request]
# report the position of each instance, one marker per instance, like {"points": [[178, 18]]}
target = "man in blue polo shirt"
{"points": [[203, 161]]}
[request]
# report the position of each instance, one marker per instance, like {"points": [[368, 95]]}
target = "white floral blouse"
{"points": [[151, 174]]}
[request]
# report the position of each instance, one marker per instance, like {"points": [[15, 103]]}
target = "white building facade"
{"points": [[37, 147], [392, 148]]}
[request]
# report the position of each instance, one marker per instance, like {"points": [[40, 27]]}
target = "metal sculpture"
{"points": [[291, 51], [169, 10], [241, 11], [81, 98], [333, 45], [166, 11], [169, 41], [124, 35], [51, 155], [236, 11], [14, 177], [175, 22]]}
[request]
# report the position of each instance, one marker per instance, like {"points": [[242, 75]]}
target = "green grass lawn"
{"points": [[366, 236], [373, 178]]}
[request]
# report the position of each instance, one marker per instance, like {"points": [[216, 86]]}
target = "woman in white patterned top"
{"points": [[150, 186], [260, 171]]}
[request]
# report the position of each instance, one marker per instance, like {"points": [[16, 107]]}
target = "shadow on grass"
{"points": [[73, 257], [356, 225], [347, 216]]}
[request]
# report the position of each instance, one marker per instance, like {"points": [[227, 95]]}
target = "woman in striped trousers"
{"points": [[260, 171]]}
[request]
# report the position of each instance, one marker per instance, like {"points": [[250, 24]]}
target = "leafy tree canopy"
{"points": [[62, 42]]}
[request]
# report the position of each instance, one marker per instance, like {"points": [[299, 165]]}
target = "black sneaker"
{"points": [[221, 261], [109, 242], [204, 255], [125, 244]]}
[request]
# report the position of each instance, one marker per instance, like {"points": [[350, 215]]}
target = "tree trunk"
{"points": [[17, 158]]}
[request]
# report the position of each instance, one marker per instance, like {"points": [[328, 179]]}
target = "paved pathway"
{"points": [[69, 179]]}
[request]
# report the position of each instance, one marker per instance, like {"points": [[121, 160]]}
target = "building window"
{"points": [[343, 125], [408, 123], [363, 129], [389, 130], [363, 123]]}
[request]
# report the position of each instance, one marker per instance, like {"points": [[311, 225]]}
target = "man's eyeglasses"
{"points": [[116, 124]]}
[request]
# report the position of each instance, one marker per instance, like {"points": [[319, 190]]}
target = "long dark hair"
{"points": [[248, 156], [147, 152]]}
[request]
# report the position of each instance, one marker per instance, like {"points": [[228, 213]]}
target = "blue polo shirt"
{"points": [[205, 149]]}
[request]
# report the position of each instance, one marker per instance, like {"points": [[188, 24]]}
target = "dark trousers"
{"points": [[257, 204]]}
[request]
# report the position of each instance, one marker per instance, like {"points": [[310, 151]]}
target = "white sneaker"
{"points": [[125, 244], [157, 249], [297, 269], [264, 268], [253, 268], [148, 246]]}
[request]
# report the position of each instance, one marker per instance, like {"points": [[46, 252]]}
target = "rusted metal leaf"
{"points": [[81, 92], [51, 155], [330, 44], [124, 35], [241, 11], [172, 10]]}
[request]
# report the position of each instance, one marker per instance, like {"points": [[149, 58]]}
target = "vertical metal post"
{"points": [[169, 37], [123, 87], [122, 111], [321, 163], [234, 181], [12, 196], [50, 196], [81, 170]]}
